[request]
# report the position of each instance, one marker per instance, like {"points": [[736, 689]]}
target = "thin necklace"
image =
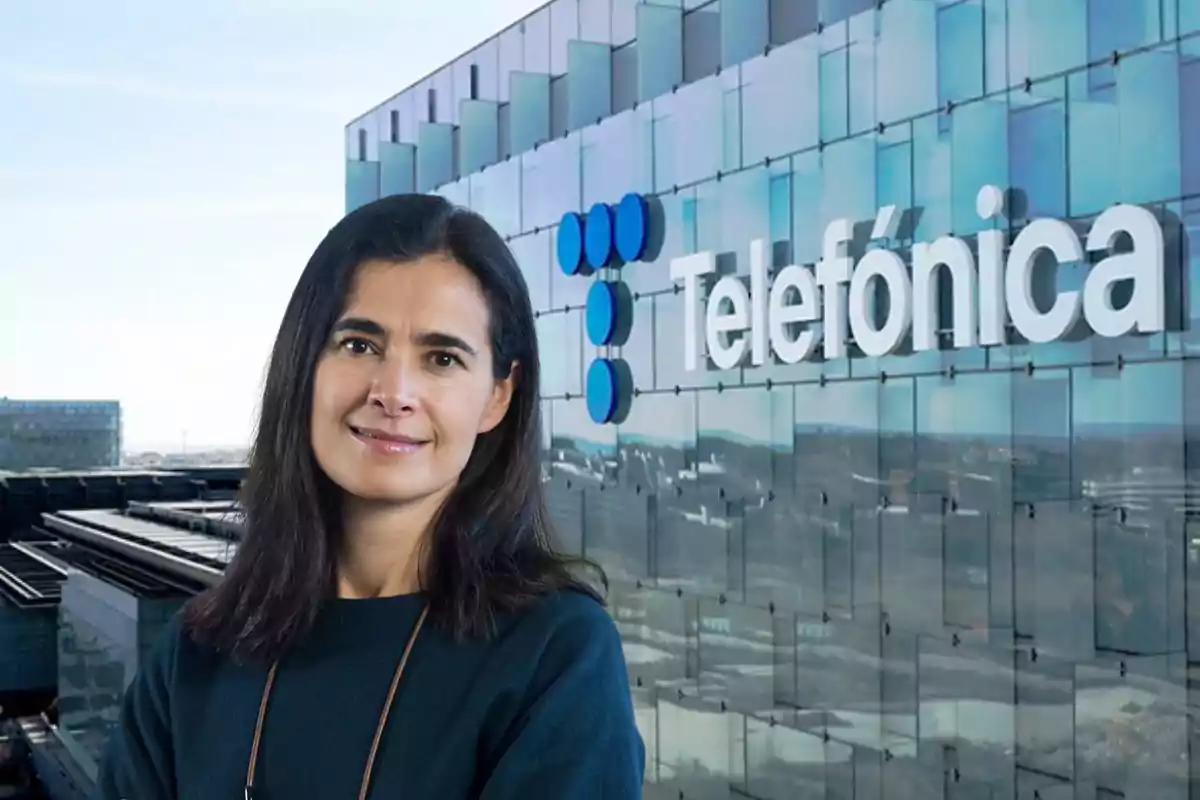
{"points": [[365, 786]]}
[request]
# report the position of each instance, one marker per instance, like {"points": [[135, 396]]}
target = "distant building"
{"points": [[65, 434]]}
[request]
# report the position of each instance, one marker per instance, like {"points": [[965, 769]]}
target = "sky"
{"points": [[166, 169]]}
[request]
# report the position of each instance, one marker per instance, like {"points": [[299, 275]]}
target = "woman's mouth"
{"points": [[388, 443]]}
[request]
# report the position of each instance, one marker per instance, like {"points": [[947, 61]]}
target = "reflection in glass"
{"points": [[580, 451], [657, 442]]}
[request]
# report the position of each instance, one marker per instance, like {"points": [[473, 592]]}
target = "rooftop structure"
{"points": [[94, 565]]}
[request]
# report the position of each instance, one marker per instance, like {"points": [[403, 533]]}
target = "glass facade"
{"points": [[103, 633], [950, 573], [38, 434]]}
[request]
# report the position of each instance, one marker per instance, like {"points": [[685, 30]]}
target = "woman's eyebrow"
{"points": [[359, 325], [443, 339]]}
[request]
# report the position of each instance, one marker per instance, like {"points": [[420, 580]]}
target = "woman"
{"points": [[395, 623]]}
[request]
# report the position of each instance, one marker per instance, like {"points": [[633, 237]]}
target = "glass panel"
{"points": [[780, 102], [617, 523], [979, 141], [1045, 725], [496, 194], [595, 20], [932, 178], [560, 339], [848, 181], [959, 56], [745, 30], [565, 509], [689, 134], [564, 28], [694, 746], [479, 135], [657, 442], [397, 168], [743, 432], [638, 349], [511, 56], [907, 79], [581, 453], [701, 43], [1148, 99], [1189, 124], [694, 532], [624, 21], [660, 50], [1189, 17], [1121, 27], [362, 183], [435, 155], [1037, 160], [536, 28], [897, 445], [730, 214], [529, 113], [837, 441], [533, 253], [963, 435], [862, 55], [834, 72], [733, 658], [913, 548], [1045, 39], [550, 182], [785, 760], [1041, 405], [589, 83]]}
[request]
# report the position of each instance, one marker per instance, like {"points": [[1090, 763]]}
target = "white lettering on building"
{"points": [[777, 316]]}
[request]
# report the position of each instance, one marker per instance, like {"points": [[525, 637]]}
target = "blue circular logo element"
{"points": [[570, 243], [632, 215], [603, 390], [598, 235], [601, 313]]}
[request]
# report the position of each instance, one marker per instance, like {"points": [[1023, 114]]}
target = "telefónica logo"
{"points": [[987, 293], [606, 237]]}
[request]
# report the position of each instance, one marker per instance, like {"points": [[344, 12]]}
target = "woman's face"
{"points": [[405, 383]]}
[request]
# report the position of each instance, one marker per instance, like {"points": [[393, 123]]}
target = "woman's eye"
{"points": [[358, 347], [444, 360]]}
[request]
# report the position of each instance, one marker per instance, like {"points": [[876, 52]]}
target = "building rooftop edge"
{"points": [[444, 64]]}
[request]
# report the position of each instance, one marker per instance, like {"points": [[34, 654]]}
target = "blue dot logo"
{"points": [[608, 390], [607, 236], [601, 315], [570, 243], [632, 227], [598, 236]]}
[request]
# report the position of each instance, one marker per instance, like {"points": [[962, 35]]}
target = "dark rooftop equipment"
{"points": [[26, 496], [29, 577]]}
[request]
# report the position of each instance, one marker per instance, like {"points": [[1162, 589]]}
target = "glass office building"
{"points": [[62, 434], [877, 528]]}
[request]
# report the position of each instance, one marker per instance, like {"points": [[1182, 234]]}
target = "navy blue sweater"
{"points": [[541, 710]]}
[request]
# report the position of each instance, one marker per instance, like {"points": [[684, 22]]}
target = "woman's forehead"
{"points": [[430, 293]]}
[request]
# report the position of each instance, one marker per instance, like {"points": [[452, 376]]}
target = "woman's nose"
{"points": [[395, 387]]}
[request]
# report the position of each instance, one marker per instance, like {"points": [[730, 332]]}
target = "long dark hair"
{"points": [[490, 549]]}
